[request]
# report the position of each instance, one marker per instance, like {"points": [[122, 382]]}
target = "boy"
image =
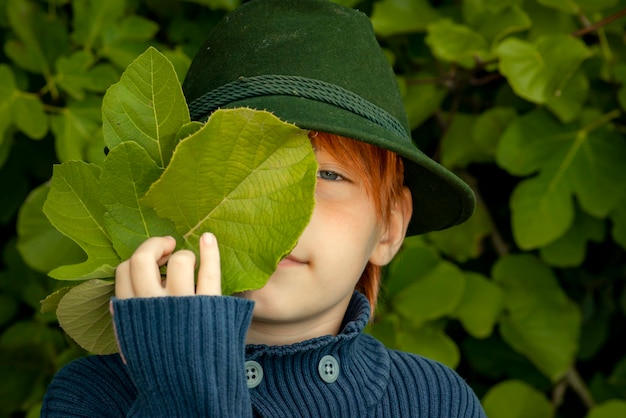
{"points": [[294, 347]]}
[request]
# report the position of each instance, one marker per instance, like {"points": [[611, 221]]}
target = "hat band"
{"points": [[307, 88]]}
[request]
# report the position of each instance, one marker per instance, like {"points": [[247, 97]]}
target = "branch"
{"points": [[599, 24]]}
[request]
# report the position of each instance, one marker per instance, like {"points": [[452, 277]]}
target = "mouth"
{"points": [[291, 260]]}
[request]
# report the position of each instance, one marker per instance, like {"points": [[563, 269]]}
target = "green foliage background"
{"points": [[524, 99]]}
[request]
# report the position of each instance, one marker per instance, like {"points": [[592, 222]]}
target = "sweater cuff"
{"points": [[186, 354]]}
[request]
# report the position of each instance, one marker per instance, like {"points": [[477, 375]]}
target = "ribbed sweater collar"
{"points": [[291, 371]]}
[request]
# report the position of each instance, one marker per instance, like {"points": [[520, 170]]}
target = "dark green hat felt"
{"points": [[318, 65]]}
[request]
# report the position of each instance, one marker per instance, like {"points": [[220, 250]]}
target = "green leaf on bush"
{"points": [[542, 323], [78, 131], [422, 99], [452, 42], [464, 242], [222, 178], [609, 409], [92, 19], [540, 71], [495, 20], [84, 314], [24, 110], [572, 161], [40, 244], [570, 249], [435, 294], [77, 74], [481, 305], [516, 399], [429, 341], [391, 17]]}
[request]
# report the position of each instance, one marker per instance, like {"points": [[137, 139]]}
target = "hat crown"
{"points": [[311, 39]]}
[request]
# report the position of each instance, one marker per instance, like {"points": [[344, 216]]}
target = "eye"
{"points": [[329, 175]]}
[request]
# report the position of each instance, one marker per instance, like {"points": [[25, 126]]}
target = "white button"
{"points": [[328, 369], [254, 374]]}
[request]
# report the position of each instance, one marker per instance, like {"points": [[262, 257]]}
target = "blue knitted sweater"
{"points": [[186, 357]]}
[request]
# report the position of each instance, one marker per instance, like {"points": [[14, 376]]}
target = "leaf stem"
{"points": [[599, 24], [600, 121]]}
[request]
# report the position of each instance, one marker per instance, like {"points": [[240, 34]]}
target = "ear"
{"points": [[395, 230]]}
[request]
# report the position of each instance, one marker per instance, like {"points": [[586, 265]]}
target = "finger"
{"points": [[123, 286], [180, 274], [144, 266], [210, 273]]}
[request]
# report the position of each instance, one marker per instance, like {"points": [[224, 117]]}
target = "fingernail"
{"points": [[208, 238]]}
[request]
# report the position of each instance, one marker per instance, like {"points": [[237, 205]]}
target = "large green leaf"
{"points": [[579, 161], [127, 173], [540, 71], [83, 313], [147, 106], [542, 323], [516, 399], [73, 206], [248, 178]]}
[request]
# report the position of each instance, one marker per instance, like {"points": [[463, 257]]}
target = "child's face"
{"points": [[312, 287]]}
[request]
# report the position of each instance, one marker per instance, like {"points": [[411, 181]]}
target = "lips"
{"points": [[291, 260]]}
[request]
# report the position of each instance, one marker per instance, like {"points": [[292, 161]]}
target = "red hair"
{"points": [[382, 172]]}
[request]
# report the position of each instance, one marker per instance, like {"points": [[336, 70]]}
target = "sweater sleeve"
{"points": [[184, 356]]}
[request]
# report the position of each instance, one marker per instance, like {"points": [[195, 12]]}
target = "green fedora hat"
{"points": [[319, 66]]}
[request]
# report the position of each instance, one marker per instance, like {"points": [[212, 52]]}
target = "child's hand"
{"points": [[139, 276]]}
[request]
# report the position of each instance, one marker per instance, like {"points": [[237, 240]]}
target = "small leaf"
{"points": [[73, 207], [481, 305], [433, 295], [569, 250], [421, 100], [458, 149], [516, 399], [41, 245], [429, 341], [495, 21], [541, 70], [463, 242], [609, 409], [542, 323], [78, 131], [93, 18], [147, 106], [51, 302], [84, 314], [42, 38], [254, 194], [391, 17], [452, 42], [78, 73]]}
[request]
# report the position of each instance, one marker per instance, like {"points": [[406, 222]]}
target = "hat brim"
{"points": [[440, 198]]}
